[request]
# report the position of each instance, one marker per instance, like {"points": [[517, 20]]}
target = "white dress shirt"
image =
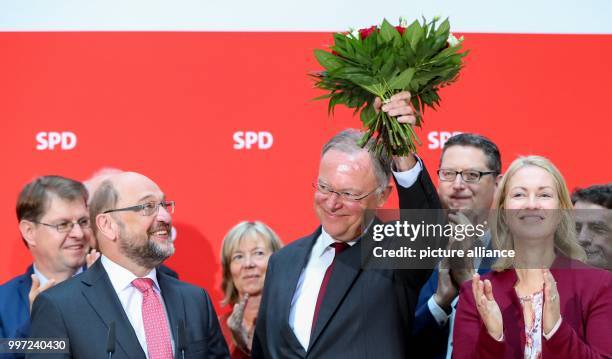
{"points": [[440, 315], [131, 298], [305, 296], [43, 280]]}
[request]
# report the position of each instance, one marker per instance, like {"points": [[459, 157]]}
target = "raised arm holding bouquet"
{"points": [[386, 60]]}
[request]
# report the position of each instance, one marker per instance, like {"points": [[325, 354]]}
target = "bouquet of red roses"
{"points": [[381, 61]]}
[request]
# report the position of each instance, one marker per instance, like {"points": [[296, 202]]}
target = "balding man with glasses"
{"points": [[131, 309], [55, 227]]}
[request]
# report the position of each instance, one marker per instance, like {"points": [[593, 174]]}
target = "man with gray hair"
{"points": [[123, 298], [318, 301], [92, 184]]}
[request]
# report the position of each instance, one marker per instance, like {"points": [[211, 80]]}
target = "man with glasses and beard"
{"points": [[92, 185], [151, 314]]}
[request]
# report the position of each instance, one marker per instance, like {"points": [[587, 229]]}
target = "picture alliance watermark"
{"points": [[421, 239]]}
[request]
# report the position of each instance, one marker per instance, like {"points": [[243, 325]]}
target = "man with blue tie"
{"points": [[55, 227]]}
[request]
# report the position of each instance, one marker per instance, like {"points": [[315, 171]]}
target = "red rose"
{"points": [[400, 29], [363, 33]]}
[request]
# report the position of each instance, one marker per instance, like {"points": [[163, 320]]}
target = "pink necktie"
{"points": [[159, 344]]}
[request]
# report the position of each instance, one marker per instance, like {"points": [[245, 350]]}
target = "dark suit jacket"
{"points": [[15, 309], [586, 310], [431, 338], [15, 305], [366, 313], [82, 308], [167, 270]]}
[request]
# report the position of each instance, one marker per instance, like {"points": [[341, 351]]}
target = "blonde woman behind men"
{"points": [[244, 258]]}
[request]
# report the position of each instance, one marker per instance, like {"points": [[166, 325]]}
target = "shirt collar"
{"points": [[43, 280], [324, 242], [121, 278]]}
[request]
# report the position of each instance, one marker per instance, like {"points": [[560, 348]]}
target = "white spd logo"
{"points": [[50, 140], [262, 140], [438, 139]]}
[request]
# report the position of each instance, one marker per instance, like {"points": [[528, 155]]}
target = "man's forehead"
{"points": [[591, 212], [346, 161], [588, 206], [64, 207], [463, 156], [136, 187]]}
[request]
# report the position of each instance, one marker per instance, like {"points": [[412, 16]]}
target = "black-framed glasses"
{"points": [[345, 195], [146, 209], [468, 176], [66, 227]]}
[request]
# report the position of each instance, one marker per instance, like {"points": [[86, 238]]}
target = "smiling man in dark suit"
{"points": [[155, 315], [55, 227], [318, 300]]}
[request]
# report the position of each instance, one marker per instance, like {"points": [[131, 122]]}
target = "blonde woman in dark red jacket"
{"points": [[544, 302]]}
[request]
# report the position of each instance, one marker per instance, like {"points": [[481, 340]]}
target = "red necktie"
{"points": [[157, 332], [338, 247]]}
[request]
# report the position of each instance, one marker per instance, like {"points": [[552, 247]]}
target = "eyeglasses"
{"points": [[468, 176], [345, 195], [146, 209], [66, 227]]}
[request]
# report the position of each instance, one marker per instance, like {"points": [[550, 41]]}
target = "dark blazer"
{"points": [[431, 338], [366, 313], [82, 308], [15, 309], [586, 311]]}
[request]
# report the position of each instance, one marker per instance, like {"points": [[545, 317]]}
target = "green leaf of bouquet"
{"points": [[422, 78], [359, 78], [407, 56], [375, 89], [402, 80], [389, 33], [416, 34], [332, 103], [388, 69], [339, 39], [323, 97], [448, 52], [368, 116], [444, 28], [414, 26], [327, 60]]}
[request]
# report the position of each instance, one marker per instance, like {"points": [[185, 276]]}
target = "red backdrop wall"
{"points": [[168, 105]]}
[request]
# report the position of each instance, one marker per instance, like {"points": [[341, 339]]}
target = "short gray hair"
{"points": [[103, 199], [347, 141]]}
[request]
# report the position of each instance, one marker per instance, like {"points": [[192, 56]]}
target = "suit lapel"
{"points": [[175, 307], [346, 269], [101, 295], [24, 289], [292, 277]]}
